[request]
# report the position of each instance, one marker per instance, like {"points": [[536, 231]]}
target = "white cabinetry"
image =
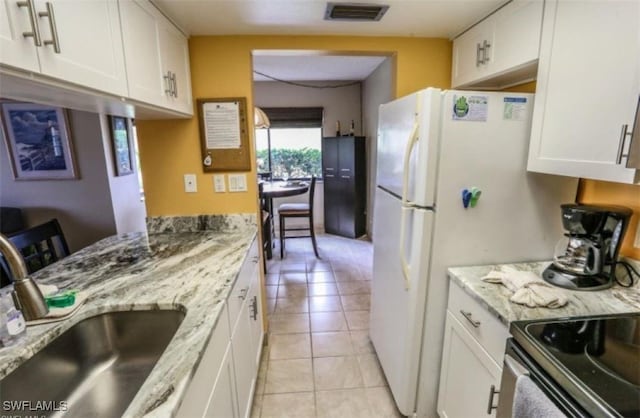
{"points": [[501, 50], [587, 90], [214, 379], [16, 49], [85, 51], [157, 56], [224, 382], [474, 344], [246, 339]]}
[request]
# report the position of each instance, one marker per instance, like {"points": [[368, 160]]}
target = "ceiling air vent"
{"points": [[355, 11]]}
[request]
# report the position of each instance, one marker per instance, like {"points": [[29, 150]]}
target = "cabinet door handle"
{"points": [[35, 30], [175, 85], [485, 49], [167, 83], [490, 405], [329, 168], [243, 293], [254, 308], [55, 41], [623, 140], [478, 49], [346, 177], [345, 169], [329, 175], [255, 259], [469, 318]]}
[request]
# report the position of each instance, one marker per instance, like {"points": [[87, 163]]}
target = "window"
{"points": [[291, 147]]}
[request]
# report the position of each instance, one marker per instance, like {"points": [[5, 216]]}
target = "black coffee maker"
{"points": [[585, 257]]}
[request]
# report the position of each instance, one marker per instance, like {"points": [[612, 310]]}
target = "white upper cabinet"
{"points": [[75, 41], [157, 56], [16, 49], [587, 90], [142, 51], [469, 55], [175, 65], [501, 50], [82, 43]]}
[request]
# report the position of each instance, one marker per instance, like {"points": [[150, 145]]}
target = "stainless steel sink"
{"points": [[95, 368]]}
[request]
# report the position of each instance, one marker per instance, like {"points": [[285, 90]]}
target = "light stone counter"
{"points": [[495, 297], [189, 264]]}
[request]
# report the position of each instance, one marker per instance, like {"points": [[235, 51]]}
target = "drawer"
{"points": [[483, 325], [241, 287]]}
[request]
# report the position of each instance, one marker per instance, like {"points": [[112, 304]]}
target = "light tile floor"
{"points": [[320, 361]]}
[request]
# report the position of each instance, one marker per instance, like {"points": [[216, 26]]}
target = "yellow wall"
{"points": [[221, 67]]}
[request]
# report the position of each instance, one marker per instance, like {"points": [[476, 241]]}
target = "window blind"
{"points": [[294, 117]]}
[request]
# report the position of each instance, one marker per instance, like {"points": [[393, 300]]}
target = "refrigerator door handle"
{"points": [[406, 204]]}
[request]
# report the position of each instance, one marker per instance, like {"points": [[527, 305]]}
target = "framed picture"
{"points": [[38, 142], [121, 145]]}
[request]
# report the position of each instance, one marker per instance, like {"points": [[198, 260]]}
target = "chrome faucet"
{"points": [[26, 294]]}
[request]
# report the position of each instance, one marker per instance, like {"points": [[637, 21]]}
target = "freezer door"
{"points": [[408, 130], [397, 311]]}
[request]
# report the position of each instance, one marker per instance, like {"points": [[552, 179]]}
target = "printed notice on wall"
{"points": [[471, 108], [222, 125], [515, 108]]}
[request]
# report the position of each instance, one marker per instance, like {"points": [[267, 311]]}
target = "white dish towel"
{"points": [[531, 402], [527, 287]]}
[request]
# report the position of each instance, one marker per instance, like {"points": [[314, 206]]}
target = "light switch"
{"points": [[237, 182], [190, 184], [218, 183]]}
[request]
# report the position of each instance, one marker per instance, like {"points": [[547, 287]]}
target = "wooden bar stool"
{"points": [[298, 210]]}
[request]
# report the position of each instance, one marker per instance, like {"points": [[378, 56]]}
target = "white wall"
{"points": [[376, 90], [89, 208], [341, 104], [129, 210]]}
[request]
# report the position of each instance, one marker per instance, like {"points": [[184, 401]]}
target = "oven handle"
{"points": [[515, 367]]}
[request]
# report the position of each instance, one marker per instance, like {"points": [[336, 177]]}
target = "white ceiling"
{"points": [[423, 18], [314, 67], [416, 18]]}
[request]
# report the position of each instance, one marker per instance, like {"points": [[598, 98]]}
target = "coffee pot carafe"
{"points": [[578, 255], [585, 258]]}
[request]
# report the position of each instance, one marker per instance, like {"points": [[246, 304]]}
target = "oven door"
{"points": [[518, 363]]}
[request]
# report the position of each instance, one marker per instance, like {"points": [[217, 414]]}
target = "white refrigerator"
{"points": [[432, 145]]}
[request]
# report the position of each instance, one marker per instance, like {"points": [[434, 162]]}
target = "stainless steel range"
{"points": [[586, 367]]}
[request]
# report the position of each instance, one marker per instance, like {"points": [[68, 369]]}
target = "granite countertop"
{"points": [[495, 297], [190, 265]]}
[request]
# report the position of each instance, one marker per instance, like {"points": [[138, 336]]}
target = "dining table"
{"points": [[276, 189]]}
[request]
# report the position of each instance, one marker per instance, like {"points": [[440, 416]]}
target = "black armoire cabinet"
{"points": [[344, 173]]}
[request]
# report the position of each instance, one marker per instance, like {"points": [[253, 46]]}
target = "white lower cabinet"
{"points": [[222, 403], [246, 342], [224, 382], [468, 375], [474, 344]]}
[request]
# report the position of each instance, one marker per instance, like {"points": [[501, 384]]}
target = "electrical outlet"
{"points": [[237, 182], [190, 184], [218, 183]]}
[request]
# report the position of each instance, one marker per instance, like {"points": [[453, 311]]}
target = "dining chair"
{"points": [[40, 246], [298, 210], [265, 225]]}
